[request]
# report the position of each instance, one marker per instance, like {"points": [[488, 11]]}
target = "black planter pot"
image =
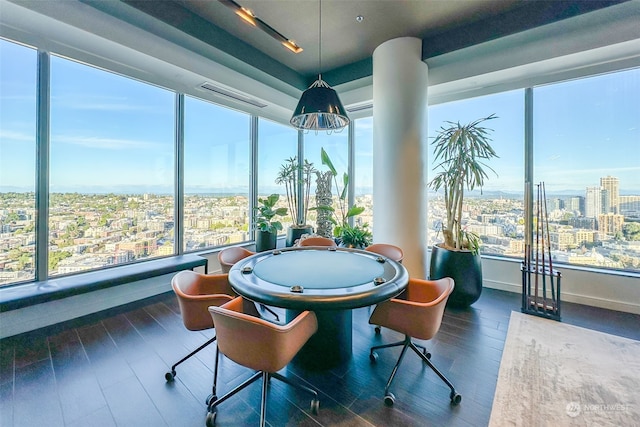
{"points": [[266, 240], [295, 231], [464, 268]]}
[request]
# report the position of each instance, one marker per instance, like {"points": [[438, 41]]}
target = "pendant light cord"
{"points": [[320, 40]]}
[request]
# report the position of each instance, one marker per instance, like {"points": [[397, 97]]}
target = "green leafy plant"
{"points": [[341, 216], [355, 236], [461, 152], [265, 213], [292, 175]]}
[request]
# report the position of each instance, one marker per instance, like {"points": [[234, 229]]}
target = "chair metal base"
{"points": [[266, 376], [170, 376], [424, 355]]}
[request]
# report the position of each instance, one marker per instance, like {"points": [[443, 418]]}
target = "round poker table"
{"points": [[328, 281]]}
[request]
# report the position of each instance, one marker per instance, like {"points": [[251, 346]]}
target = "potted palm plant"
{"points": [[266, 226], [294, 176], [461, 152]]}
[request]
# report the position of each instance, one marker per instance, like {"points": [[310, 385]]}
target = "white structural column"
{"points": [[400, 149]]}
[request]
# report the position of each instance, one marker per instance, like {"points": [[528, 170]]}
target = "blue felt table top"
{"points": [[318, 269]]}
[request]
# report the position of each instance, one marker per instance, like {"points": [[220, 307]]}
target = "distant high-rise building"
{"points": [[610, 224], [593, 202], [629, 206], [576, 204], [612, 185]]}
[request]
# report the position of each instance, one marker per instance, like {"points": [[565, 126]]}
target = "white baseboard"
{"points": [[571, 297]]}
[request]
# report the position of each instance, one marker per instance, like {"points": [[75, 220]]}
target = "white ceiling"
{"points": [[344, 40]]}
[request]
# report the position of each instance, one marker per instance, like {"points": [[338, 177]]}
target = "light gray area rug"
{"points": [[554, 374]]}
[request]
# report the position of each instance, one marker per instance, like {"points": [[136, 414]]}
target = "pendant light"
{"points": [[319, 107]]}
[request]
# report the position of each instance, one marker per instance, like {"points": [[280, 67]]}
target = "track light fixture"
{"points": [[248, 16]]}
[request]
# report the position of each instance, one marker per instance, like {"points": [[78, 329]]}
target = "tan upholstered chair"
{"points": [[229, 256], [261, 346], [318, 241], [418, 316], [387, 250], [196, 293]]}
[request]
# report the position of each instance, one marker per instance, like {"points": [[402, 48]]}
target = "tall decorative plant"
{"points": [[354, 236], [461, 152], [292, 175]]}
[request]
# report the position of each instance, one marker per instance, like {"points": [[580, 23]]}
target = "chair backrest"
{"points": [[420, 314], [317, 241], [196, 292], [256, 343], [385, 249], [229, 256]]}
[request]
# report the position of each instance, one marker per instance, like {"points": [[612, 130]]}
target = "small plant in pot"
{"points": [[266, 226], [461, 152], [357, 236], [296, 177], [352, 236]]}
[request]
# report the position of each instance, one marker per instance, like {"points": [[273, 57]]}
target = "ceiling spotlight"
{"points": [[359, 18], [246, 15]]}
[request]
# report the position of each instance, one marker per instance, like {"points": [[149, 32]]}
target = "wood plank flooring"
{"points": [[108, 370]]}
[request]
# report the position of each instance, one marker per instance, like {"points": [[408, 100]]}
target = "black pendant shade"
{"points": [[319, 108]]}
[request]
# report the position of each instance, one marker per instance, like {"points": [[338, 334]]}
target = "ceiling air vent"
{"points": [[233, 94], [359, 107]]}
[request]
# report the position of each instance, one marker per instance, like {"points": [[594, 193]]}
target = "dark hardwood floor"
{"points": [[108, 370]]}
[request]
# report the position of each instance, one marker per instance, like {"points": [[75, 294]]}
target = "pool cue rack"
{"points": [[540, 282]]}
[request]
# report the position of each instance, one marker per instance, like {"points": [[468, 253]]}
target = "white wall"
{"points": [[583, 286]]}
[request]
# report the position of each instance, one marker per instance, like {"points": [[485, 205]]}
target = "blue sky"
{"points": [[109, 133]]}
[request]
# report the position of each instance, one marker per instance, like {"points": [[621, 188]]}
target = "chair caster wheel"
{"points": [[378, 330], [210, 399], [169, 376], [389, 399], [455, 398], [373, 357], [315, 406], [211, 419]]}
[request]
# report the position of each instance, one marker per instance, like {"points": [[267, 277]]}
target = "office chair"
{"points": [[387, 250], [196, 293], [318, 241], [229, 256], [390, 251], [418, 316], [259, 345]]}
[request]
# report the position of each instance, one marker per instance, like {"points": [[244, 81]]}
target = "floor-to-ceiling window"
{"points": [[276, 143], [496, 212], [587, 153], [111, 169], [363, 168], [17, 162], [217, 175]]}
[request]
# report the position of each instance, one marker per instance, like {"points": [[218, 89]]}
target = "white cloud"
{"points": [[104, 143], [9, 135]]}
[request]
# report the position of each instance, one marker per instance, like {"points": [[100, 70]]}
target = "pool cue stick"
{"points": [[544, 218], [537, 244], [553, 292]]}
